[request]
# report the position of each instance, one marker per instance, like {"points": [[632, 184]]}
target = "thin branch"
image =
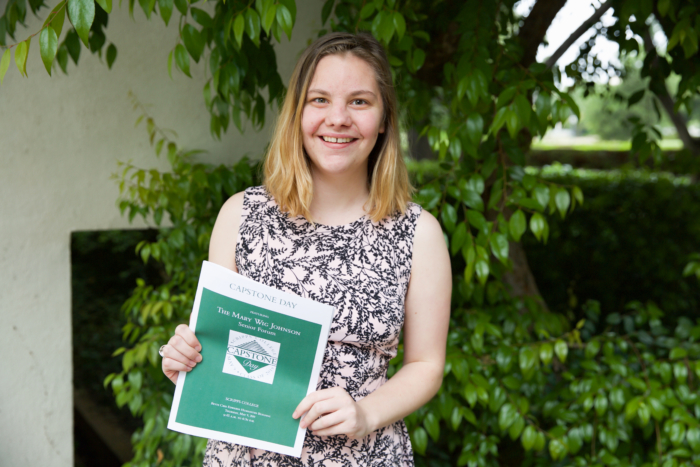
{"points": [[578, 33]]}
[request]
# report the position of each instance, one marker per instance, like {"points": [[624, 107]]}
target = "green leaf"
{"points": [[561, 349], [546, 353], [269, 18], [475, 127], [56, 18], [252, 25], [539, 442], [516, 428], [458, 238], [4, 64], [106, 5], [557, 449], [239, 29], [482, 270], [21, 51], [193, 41], [527, 358], [182, 6], [111, 55], [578, 194], [72, 42], [693, 437], [473, 200], [506, 416], [538, 225], [182, 59], [517, 225], [432, 425], [202, 17], [81, 14], [399, 24], [476, 219], [512, 122], [284, 19], [677, 433], [449, 217], [617, 398], [386, 27], [326, 10], [48, 45], [592, 349], [562, 200], [541, 195], [529, 437], [367, 10], [499, 246], [418, 59], [601, 404], [419, 440], [166, 10], [678, 352]]}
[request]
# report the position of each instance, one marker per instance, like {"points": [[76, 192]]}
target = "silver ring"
{"points": [[160, 351]]}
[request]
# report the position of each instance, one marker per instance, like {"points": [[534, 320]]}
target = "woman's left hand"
{"points": [[333, 412]]}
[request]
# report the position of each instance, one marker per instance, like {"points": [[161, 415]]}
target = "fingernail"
{"points": [[198, 358], [192, 364], [198, 348]]}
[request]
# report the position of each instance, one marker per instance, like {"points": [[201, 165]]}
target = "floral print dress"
{"points": [[362, 269]]}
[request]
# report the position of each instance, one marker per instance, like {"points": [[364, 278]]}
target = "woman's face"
{"points": [[343, 116]]}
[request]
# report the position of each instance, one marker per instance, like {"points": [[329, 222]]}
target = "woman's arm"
{"points": [[182, 352], [425, 335]]}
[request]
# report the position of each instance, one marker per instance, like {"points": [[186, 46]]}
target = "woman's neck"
{"points": [[339, 200]]}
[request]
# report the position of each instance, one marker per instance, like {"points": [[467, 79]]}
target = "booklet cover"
{"points": [[261, 355]]}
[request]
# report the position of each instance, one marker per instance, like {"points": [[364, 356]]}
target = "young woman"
{"points": [[333, 223]]}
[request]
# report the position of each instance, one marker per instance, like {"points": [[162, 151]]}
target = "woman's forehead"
{"points": [[344, 74]]}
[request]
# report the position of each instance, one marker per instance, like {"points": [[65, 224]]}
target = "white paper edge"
{"points": [[313, 311]]}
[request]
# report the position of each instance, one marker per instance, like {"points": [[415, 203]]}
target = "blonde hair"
{"points": [[287, 174]]}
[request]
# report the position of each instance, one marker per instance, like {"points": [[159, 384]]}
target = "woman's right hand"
{"points": [[181, 353]]}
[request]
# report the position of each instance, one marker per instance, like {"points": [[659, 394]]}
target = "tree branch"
{"points": [[535, 27], [658, 87], [578, 33]]}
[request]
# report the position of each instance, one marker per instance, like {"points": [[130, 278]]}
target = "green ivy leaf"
{"points": [[48, 45], [677, 433], [202, 17], [419, 440], [81, 14], [269, 18], [561, 349], [182, 59], [562, 200], [21, 51], [56, 18], [326, 10], [506, 416], [557, 449], [4, 64], [516, 428], [449, 217], [546, 353], [516, 225], [499, 247], [399, 24], [432, 425], [538, 225], [284, 19], [458, 238], [482, 270], [693, 437], [617, 398], [529, 437], [106, 5], [601, 404], [194, 43], [166, 10], [239, 29]]}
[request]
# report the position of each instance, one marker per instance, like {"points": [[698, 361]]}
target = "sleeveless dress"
{"points": [[362, 269]]}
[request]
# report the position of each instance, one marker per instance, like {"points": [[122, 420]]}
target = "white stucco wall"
{"points": [[60, 138]]}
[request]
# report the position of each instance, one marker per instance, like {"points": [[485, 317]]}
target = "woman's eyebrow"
{"points": [[352, 94]]}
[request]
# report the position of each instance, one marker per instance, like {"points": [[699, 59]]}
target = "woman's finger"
{"points": [[307, 402], [178, 343], [326, 421], [174, 354], [186, 333], [173, 365]]}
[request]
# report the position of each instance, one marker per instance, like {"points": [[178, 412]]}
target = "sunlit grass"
{"points": [[612, 145]]}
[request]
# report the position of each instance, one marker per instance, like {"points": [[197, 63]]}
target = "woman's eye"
{"points": [[319, 100], [359, 102]]}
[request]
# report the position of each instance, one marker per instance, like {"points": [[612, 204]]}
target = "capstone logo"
{"points": [[251, 357]]}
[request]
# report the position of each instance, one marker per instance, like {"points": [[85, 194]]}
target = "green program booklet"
{"points": [[261, 355]]}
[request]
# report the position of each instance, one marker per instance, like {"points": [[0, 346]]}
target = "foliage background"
{"points": [[523, 381]]}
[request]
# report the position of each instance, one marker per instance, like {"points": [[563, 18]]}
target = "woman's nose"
{"points": [[338, 115]]}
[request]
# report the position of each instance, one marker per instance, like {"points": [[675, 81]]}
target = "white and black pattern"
{"points": [[362, 269]]}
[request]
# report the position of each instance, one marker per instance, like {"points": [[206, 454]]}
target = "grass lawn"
{"points": [[666, 144]]}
